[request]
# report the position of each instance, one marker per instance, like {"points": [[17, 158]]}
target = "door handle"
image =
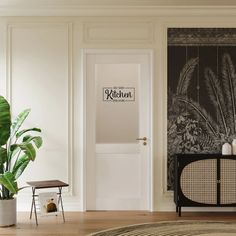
{"points": [[143, 139]]}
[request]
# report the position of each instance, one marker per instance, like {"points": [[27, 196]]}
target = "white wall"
{"points": [[41, 68], [39, 80]]}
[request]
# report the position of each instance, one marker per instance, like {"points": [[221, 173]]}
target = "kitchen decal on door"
{"points": [[118, 94]]}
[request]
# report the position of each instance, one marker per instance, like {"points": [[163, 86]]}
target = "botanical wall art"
{"points": [[201, 91]]}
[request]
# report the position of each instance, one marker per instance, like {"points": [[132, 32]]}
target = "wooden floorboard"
{"points": [[78, 223]]}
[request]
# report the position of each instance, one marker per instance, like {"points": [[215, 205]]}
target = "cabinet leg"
{"points": [[179, 211]]}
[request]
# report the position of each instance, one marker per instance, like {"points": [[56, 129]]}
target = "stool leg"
{"points": [[35, 212], [32, 204], [60, 199]]}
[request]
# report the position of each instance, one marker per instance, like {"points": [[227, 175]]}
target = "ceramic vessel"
{"points": [[234, 147], [226, 149], [7, 212]]}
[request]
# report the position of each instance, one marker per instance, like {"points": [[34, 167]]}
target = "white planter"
{"points": [[226, 149], [7, 212]]}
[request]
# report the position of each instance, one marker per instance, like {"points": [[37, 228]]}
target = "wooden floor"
{"points": [[78, 223]]}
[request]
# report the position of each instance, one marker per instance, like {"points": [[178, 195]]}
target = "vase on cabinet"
{"points": [[226, 149]]}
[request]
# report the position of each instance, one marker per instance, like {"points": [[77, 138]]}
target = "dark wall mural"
{"points": [[201, 91]]}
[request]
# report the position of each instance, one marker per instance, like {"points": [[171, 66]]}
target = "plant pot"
{"points": [[7, 212]]}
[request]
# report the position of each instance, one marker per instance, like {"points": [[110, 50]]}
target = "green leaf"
{"points": [[5, 121], [20, 166], [3, 155], [19, 121], [1, 168], [13, 147], [36, 139], [27, 130], [8, 180], [26, 138], [28, 149]]}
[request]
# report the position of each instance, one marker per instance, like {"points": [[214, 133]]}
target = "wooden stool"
{"points": [[46, 184]]}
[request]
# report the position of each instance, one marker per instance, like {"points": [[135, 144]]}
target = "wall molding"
{"points": [[102, 148], [93, 10], [70, 125], [118, 32]]}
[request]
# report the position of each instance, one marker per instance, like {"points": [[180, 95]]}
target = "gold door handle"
{"points": [[143, 139]]}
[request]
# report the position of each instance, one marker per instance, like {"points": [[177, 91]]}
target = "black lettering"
{"points": [[109, 94]]}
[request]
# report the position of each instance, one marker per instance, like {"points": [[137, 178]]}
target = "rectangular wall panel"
{"points": [[39, 79], [103, 32]]}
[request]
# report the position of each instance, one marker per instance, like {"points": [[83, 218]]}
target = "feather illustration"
{"points": [[216, 96], [201, 112], [185, 76], [229, 83]]}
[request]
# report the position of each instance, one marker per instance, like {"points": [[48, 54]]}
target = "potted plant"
{"points": [[17, 149]]}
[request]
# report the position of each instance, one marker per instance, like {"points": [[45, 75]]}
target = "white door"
{"points": [[118, 112]]}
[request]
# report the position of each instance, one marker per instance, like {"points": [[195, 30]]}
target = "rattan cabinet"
{"points": [[204, 180]]}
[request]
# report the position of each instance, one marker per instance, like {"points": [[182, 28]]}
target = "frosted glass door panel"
{"points": [[117, 110]]}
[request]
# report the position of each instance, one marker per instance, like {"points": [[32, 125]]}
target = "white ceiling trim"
{"points": [[118, 2], [78, 10]]}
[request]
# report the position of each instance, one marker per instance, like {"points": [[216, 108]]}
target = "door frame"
{"points": [[85, 53]]}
